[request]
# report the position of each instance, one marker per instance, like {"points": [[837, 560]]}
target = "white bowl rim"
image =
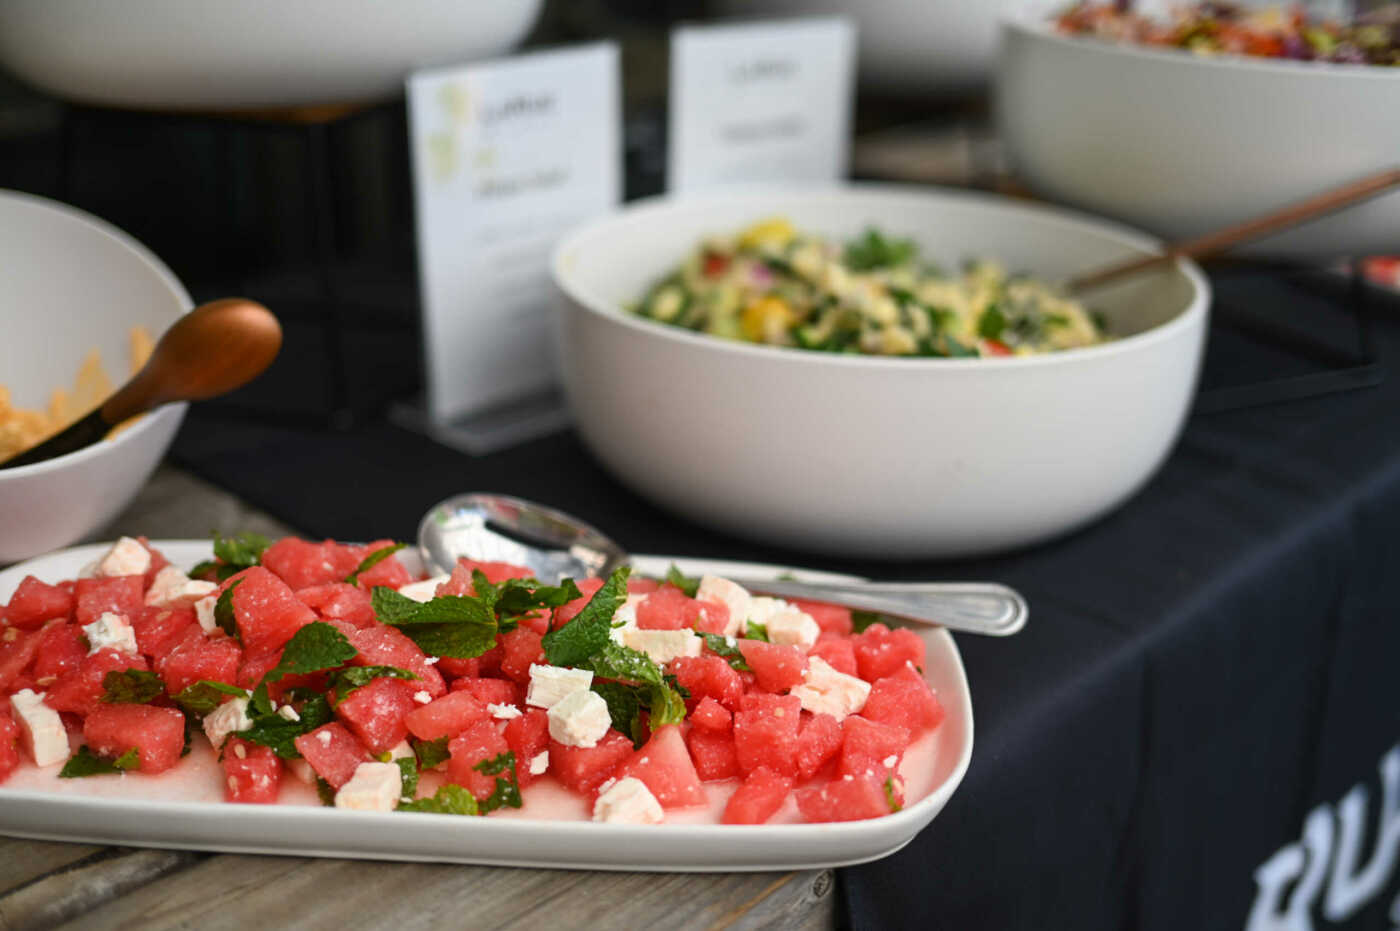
{"points": [[1040, 26], [161, 270], [1191, 316]]}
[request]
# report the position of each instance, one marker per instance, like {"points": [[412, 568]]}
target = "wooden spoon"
{"points": [[1212, 244], [210, 351]]}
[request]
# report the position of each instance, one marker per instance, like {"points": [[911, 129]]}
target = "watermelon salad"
{"points": [[332, 665]]}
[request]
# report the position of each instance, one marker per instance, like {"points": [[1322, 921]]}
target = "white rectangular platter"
{"points": [[183, 808]]}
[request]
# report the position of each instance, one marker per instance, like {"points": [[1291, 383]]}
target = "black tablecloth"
{"points": [[1204, 672]]}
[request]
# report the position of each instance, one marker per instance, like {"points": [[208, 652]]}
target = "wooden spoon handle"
{"points": [[1214, 243], [212, 350]]}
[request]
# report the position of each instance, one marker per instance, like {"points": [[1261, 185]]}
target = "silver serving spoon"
{"points": [[553, 544]]}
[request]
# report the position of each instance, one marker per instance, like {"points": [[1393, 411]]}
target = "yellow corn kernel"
{"points": [[767, 320], [775, 231]]}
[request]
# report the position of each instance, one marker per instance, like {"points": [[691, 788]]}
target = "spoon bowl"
{"points": [[554, 545]]}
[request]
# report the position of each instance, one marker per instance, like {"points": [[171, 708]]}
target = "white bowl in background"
{"points": [[74, 283], [869, 456], [201, 54], [938, 48], [1181, 144]]}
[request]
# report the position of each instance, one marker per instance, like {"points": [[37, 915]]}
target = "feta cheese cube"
{"points": [[288, 713], [503, 712], [730, 594], [42, 733], [826, 691], [374, 787], [422, 697], [552, 684], [401, 751], [793, 628], [539, 763], [110, 631], [126, 557], [580, 719], [228, 718], [625, 617], [662, 645], [628, 801], [204, 613], [761, 608], [171, 588], [425, 590]]}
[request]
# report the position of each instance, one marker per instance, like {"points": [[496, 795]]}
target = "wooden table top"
{"points": [[44, 885]]}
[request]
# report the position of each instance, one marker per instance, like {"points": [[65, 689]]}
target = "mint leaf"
{"points": [[992, 322], [449, 625], [449, 800], [497, 764], [615, 661], [754, 631], [720, 646], [131, 687], [408, 775], [314, 647], [685, 583], [272, 730], [664, 706], [205, 695], [873, 250], [223, 612], [516, 598], [325, 792], [234, 553], [372, 560], [624, 707], [344, 681], [588, 632], [86, 763], [890, 796], [431, 753]]}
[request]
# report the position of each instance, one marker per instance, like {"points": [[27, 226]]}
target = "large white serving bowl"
{"points": [[1181, 144], [205, 54], [73, 283], [938, 48], [868, 456]]}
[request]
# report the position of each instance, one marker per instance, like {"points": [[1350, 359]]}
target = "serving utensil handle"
{"points": [[974, 607]]}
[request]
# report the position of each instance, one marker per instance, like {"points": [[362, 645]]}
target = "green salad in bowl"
{"points": [[874, 295]]}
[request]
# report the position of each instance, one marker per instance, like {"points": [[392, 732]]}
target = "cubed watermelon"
{"points": [[447, 716], [158, 630], [481, 742], [388, 646], [333, 752], [583, 769], [469, 668], [817, 744], [123, 594], [641, 585], [664, 764], [35, 602], [17, 650], [460, 582], [710, 715], [376, 712], [490, 691], [713, 754], [9, 746], [198, 657], [881, 652], [338, 601], [158, 734], [388, 572], [567, 612], [158, 561], [252, 772], [765, 733], [301, 564], [838, 653], [667, 608], [903, 700], [868, 746], [845, 799], [832, 619], [708, 676], [60, 649], [758, 798], [528, 737], [519, 649], [777, 667], [80, 690], [267, 611]]}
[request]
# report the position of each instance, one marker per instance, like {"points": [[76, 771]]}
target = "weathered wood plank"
{"points": [[58, 897], [26, 860], [367, 894]]}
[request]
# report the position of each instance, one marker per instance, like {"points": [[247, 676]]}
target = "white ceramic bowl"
{"points": [[74, 283], [930, 47], [871, 456], [203, 54], [1180, 144]]}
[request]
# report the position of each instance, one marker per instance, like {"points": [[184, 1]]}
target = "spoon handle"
{"points": [[974, 607]]}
